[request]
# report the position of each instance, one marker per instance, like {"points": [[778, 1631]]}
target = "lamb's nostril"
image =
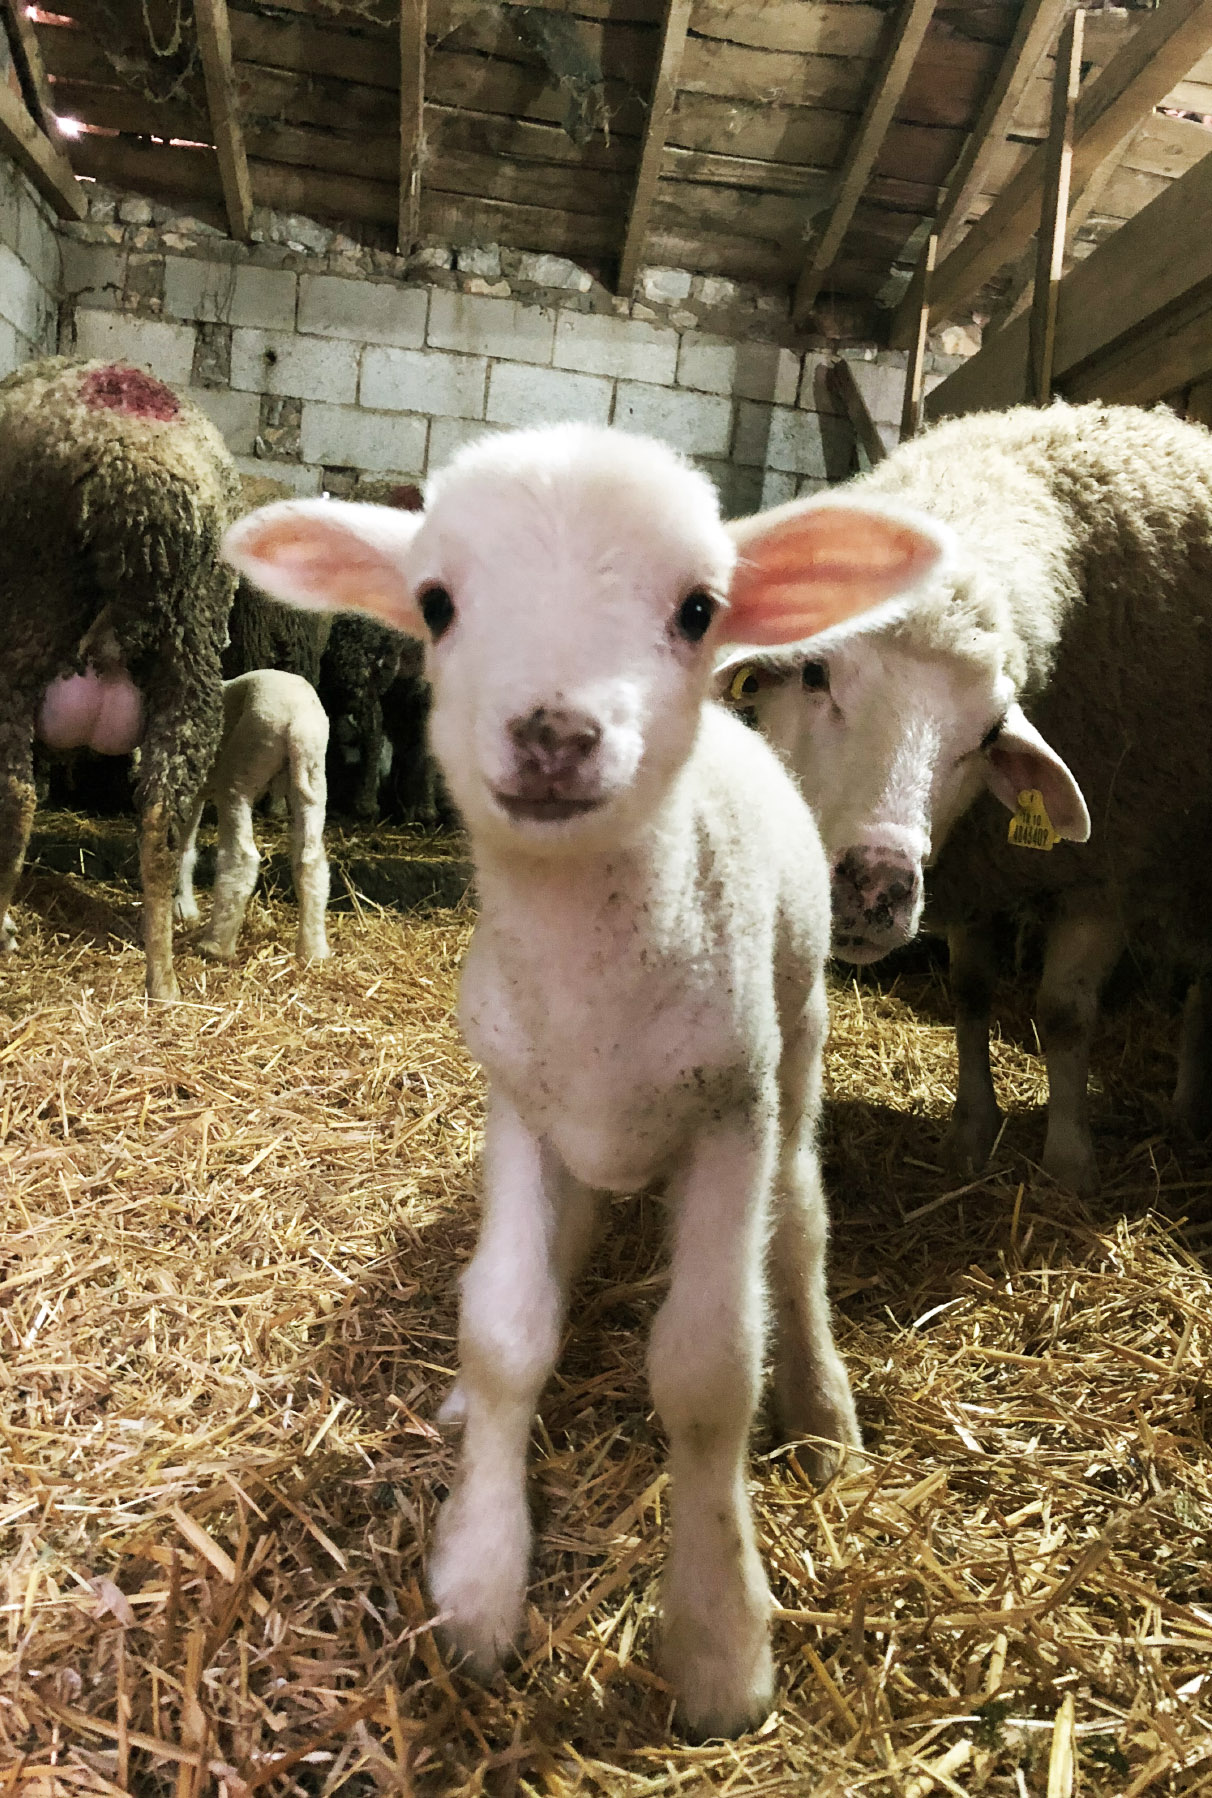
{"points": [[556, 734]]}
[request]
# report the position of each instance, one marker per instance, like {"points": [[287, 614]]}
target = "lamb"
{"points": [[645, 988], [1062, 651], [114, 495], [275, 734]]}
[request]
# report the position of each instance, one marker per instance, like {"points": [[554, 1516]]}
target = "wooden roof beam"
{"points": [[1165, 48], [413, 24], [1054, 215], [28, 55], [903, 42], [845, 390], [214, 45], [39, 157], [652, 150]]}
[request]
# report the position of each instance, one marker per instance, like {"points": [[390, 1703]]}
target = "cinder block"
{"points": [[882, 385], [596, 345], [814, 386], [305, 368], [447, 437], [305, 481], [541, 396], [224, 293], [167, 350], [740, 489], [698, 423], [351, 437], [362, 311], [665, 284], [479, 326], [777, 488], [766, 371], [23, 301], [11, 354], [93, 273], [707, 364], [430, 381], [792, 441], [37, 242], [10, 204], [236, 415]]}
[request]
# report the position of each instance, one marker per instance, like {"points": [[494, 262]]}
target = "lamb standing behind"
{"points": [[114, 494], [1078, 592], [645, 987], [275, 734]]}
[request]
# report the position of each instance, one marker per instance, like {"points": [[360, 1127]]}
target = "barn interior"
{"points": [[783, 236]]}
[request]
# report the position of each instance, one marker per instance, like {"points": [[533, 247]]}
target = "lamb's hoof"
{"points": [[477, 1578], [452, 1412], [8, 935], [1191, 1121], [165, 992], [321, 952], [214, 951], [969, 1142], [724, 1681], [185, 914], [826, 1427], [1072, 1165]]}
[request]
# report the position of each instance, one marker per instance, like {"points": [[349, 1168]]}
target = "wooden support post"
{"points": [[36, 156], [1054, 211], [214, 46], [413, 22], [30, 66], [919, 294], [904, 40], [839, 378], [1165, 48], [652, 151]]}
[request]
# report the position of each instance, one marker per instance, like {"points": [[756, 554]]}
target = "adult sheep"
{"points": [[114, 496], [260, 632], [1063, 650]]}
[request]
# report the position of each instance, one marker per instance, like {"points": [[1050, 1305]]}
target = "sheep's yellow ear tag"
{"points": [[744, 684], [1031, 827]]}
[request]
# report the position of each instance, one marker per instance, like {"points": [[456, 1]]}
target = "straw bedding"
{"points": [[231, 1231]]}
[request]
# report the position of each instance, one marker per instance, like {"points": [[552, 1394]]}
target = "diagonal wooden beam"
{"points": [[413, 23], [839, 379], [904, 40], [652, 150], [1054, 212], [43, 161], [1166, 47], [919, 300], [214, 45], [32, 69]]}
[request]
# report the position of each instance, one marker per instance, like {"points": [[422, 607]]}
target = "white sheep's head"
{"points": [[572, 587]]}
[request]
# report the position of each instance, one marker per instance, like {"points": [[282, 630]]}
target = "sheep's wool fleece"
{"points": [[114, 496], [1086, 570]]}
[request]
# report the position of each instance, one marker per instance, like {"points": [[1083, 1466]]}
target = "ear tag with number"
{"points": [[1031, 827], [744, 684]]}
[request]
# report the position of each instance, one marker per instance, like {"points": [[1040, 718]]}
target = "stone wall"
{"points": [[342, 369], [29, 271]]}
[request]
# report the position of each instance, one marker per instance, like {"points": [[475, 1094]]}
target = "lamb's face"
{"points": [[571, 595]]}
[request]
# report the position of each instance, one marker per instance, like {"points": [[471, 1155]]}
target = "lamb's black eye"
{"points": [[990, 737], [816, 677], [693, 617], [437, 609]]}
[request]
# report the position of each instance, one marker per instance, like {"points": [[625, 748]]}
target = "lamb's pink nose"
{"points": [[554, 742], [876, 902]]}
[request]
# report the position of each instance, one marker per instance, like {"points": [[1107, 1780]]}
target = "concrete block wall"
{"points": [[340, 369], [30, 275]]}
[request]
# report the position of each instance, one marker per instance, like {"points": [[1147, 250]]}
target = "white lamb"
{"points": [[645, 987], [275, 734]]}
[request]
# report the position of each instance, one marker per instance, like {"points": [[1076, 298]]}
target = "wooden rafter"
{"points": [[1165, 48], [413, 22], [652, 151], [895, 66], [38, 157], [845, 390], [32, 69], [214, 45], [918, 299], [1054, 213]]}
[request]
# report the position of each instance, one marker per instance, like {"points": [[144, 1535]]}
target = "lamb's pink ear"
{"points": [[809, 565], [1021, 760], [330, 556]]}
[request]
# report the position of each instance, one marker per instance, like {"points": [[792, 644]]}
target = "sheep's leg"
{"points": [[158, 864], [1193, 1091], [1081, 951], [18, 801], [186, 903], [308, 860], [537, 1225], [705, 1365], [976, 1119], [811, 1386], [236, 870]]}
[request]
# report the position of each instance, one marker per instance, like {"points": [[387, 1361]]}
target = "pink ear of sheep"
{"points": [[323, 555]]}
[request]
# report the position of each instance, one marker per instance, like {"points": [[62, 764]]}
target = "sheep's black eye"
{"points": [[694, 615], [437, 609], [816, 677], [990, 737]]}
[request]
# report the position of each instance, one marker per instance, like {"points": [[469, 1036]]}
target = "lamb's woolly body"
{"points": [[113, 514]]}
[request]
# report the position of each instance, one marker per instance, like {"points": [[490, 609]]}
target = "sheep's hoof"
{"points": [[305, 953], [1072, 1164], [477, 1577], [8, 935], [185, 914], [214, 951], [165, 992], [969, 1142], [725, 1678]]}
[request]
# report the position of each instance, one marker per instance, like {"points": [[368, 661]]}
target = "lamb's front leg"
{"points": [[705, 1363], [537, 1224]]}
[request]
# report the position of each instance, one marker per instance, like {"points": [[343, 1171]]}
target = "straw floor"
{"points": [[231, 1230]]}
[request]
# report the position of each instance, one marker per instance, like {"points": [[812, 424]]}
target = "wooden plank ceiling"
{"points": [[535, 127]]}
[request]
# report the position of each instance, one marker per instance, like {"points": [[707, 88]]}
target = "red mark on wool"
{"points": [[120, 389]]}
